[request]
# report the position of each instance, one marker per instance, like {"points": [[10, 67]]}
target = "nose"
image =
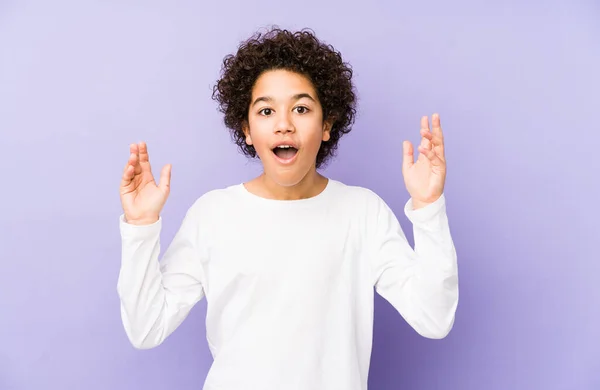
{"points": [[284, 124]]}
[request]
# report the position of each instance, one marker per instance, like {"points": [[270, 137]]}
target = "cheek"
{"points": [[261, 144], [258, 135], [316, 136]]}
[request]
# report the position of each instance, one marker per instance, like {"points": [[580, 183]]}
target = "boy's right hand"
{"points": [[142, 199]]}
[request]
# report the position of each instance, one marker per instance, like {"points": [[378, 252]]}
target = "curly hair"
{"points": [[300, 52]]}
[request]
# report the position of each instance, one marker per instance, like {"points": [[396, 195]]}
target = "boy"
{"points": [[288, 261]]}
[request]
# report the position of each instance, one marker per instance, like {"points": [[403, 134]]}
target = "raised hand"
{"points": [[142, 199], [425, 178]]}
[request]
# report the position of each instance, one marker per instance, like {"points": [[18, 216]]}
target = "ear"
{"points": [[246, 130], [327, 125]]}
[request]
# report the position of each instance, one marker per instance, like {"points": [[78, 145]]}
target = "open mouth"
{"points": [[285, 152]]}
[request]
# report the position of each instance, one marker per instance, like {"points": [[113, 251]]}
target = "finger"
{"points": [[128, 174], [132, 164], [438, 135], [425, 142], [431, 156], [407, 155], [426, 134], [165, 178], [134, 158], [435, 143], [144, 157]]}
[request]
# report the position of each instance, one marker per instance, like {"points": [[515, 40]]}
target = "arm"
{"points": [[421, 284], [156, 297]]}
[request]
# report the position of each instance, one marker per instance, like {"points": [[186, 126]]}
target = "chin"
{"points": [[288, 177]]}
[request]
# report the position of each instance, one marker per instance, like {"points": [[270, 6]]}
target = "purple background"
{"points": [[517, 88]]}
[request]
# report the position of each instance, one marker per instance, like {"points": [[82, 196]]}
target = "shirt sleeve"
{"points": [[155, 297], [420, 283]]}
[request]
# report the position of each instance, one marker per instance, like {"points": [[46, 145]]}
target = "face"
{"points": [[285, 126]]}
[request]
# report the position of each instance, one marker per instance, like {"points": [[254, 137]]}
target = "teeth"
{"points": [[284, 146]]}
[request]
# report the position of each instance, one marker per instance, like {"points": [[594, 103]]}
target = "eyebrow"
{"points": [[294, 98]]}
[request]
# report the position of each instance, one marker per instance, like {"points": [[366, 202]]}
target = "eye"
{"points": [[302, 109], [265, 111]]}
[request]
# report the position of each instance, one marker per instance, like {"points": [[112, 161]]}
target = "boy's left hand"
{"points": [[425, 178]]}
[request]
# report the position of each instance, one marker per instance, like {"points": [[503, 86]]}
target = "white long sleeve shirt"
{"points": [[289, 283]]}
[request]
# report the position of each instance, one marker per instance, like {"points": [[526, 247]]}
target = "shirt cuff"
{"points": [[129, 230], [425, 214]]}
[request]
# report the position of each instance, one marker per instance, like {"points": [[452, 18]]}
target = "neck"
{"points": [[311, 185]]}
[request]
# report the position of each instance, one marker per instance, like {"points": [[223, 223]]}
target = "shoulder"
{"points": [[368, 210], [215, 200], [359, 200], [356, 193]]}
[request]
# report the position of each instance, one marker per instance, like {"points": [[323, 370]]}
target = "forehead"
{"points": [[282, 84]]}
